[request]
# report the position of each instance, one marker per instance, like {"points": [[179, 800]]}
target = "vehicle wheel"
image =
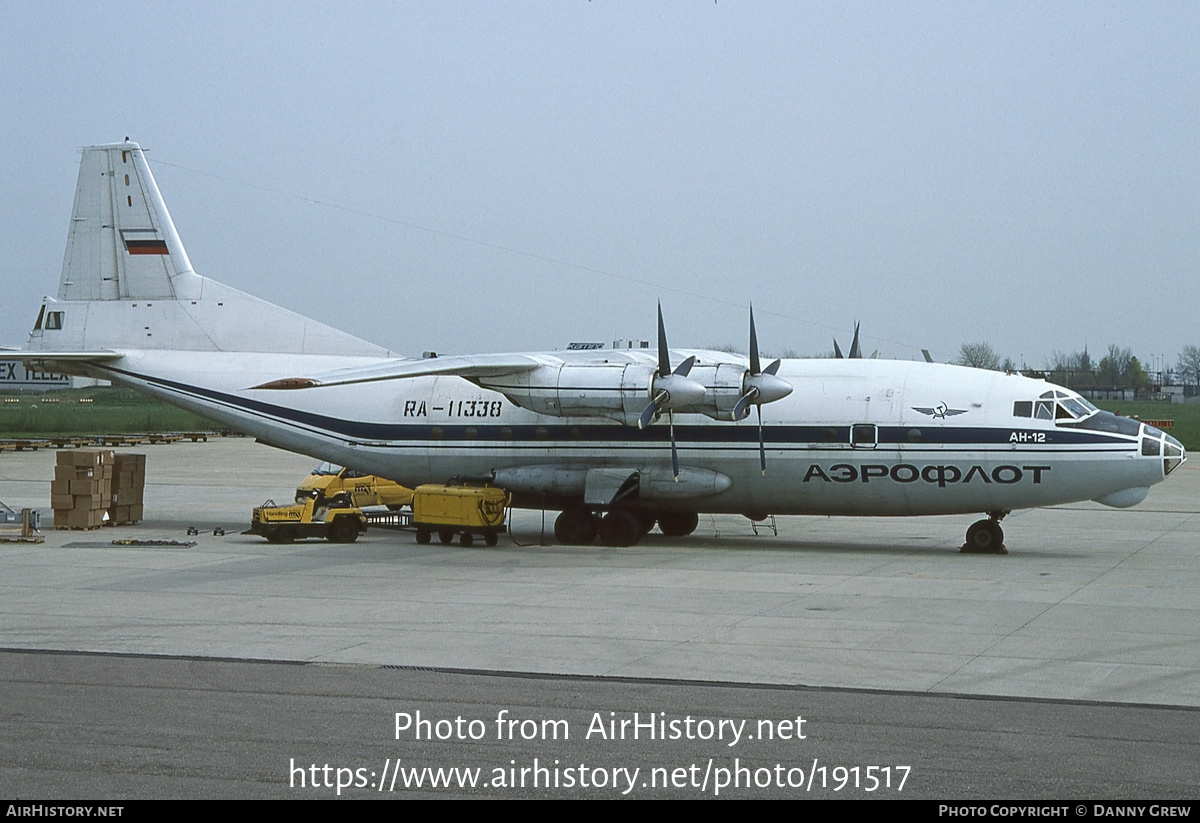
{"points": [[286, 534], [445, 537], [491, 538], [576, 527], [272, 535], [392, 507], [467, 540], [620, 528], [423, 535], [985, 537], [677, 524], [342, 530], [646, 521]]}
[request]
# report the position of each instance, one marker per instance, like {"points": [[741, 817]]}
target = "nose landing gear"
{"points": [[986, 536]]}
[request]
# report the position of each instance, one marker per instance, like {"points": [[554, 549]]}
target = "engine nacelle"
{"points": [[616, 391], [722, 387]]}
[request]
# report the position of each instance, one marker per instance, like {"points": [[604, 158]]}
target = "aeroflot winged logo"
{"points": [[941, 410]]}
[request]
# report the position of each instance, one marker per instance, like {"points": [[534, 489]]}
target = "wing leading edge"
{"points": [[469, 367]]}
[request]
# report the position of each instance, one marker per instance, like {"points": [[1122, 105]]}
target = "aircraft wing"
{"points": [[98, 356], [466, 366]]}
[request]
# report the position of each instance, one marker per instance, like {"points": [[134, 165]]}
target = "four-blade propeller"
{"points": [[670, 390], [759, 386]]}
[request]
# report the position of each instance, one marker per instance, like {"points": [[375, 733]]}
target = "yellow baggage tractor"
{"points": [[327, 481], [459, 509], [337, 522]]}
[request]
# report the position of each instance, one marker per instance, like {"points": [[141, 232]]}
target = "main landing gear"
{"points": [[986, 536], [619, 527]]}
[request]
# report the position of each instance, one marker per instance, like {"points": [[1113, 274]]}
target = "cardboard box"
{"points": [[83, 519]]}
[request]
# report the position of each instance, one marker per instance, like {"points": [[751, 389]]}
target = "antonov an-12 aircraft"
{"points": [[618, 440]]}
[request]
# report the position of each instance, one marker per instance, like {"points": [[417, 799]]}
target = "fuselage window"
{"points": [[1023, 408], [862, 434]]}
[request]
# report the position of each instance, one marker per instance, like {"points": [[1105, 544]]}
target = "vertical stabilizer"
{"points": [[127, 283], [122, 244]]}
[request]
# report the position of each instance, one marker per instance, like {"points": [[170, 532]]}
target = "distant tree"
{"points": [[729, 348], [1189, 364], [1008, 365], [1074, 369], [1136, 377], [978, 355], [1114, 367]]}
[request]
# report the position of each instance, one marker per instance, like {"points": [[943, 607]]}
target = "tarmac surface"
{"points": [[1068, 668]]}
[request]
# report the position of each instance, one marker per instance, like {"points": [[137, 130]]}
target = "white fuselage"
{"points": [[580, 430], [863, 437]]}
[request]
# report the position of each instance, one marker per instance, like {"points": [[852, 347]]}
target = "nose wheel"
{"points": [[986, 536]]}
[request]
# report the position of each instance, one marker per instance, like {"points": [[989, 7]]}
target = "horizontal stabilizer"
{"points": [[483, 365]]}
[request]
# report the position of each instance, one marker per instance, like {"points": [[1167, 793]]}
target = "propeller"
{"points": [[760, 386], [670, 390], [855, 349]]}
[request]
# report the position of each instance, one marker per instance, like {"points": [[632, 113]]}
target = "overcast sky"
{"points": [[495, 176]]}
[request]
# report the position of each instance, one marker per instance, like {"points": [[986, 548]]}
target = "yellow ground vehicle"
{"points": [[462, 510], [338, 522], [327, 481]]}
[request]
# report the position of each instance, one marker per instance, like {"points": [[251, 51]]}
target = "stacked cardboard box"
{"points": [[129, 482], [81, 491]]}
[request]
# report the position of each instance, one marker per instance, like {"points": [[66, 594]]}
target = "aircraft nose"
{"points": [[1173, 454], [1156, 443]]}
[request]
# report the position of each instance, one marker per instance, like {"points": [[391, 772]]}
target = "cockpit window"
{"points": [[1077, 408], [326, 470], [54, 320], [1107, 422], [1054, 405]]}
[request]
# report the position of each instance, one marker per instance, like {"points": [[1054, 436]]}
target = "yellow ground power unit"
{"points": [[463, 510]]}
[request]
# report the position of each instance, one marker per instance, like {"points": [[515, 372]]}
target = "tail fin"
{"points": [[122, 244], [127, 282]]}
